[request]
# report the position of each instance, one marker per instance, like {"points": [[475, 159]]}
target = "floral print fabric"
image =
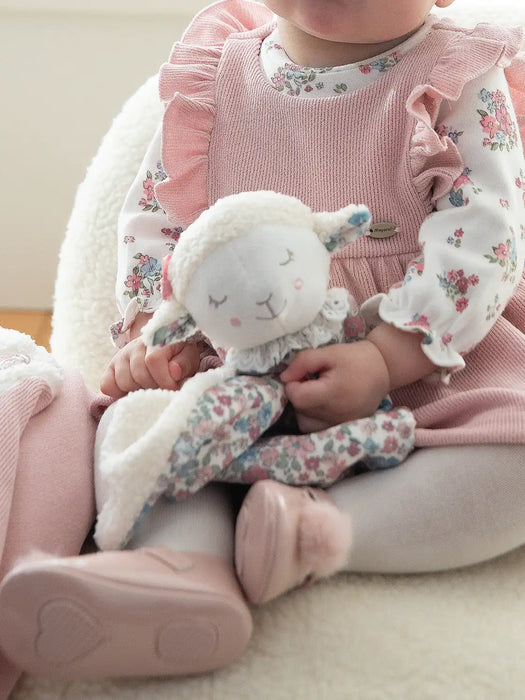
{"points": [[224, 440], [300, 81], [497, 122], [474, 245]]}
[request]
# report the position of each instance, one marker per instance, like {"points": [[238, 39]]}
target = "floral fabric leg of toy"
{"points": [[226, 422], [381, 441], [202, 427]]}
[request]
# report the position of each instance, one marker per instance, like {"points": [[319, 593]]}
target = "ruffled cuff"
{"points": [[121, 330], [436, 346]]}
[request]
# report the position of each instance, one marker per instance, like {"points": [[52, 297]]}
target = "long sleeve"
{"points": [[473, 246], [144, 238]]}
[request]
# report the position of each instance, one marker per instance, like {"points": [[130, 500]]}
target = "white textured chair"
{"points": [[455, 635]]}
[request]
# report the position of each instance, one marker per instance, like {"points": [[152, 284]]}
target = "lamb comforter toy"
{"points": [[251, 276]]}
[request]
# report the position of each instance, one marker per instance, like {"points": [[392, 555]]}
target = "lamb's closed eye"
{"points": [[290, 257], [215, 303]]}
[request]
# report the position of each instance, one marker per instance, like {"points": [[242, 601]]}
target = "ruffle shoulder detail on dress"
{"points": [[469, 54], [515, 74], [187, 86]]}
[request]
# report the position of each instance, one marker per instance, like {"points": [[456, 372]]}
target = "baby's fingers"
{"points": [[139, 370], [305, 364], [309, 424], [185, 363], [108, 384], [306, 396], [118, 380], [157, 361]]}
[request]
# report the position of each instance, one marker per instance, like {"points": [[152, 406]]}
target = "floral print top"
{"points": [[301, 81], [472, 244]]}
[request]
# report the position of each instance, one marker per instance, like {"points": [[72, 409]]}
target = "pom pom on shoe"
{"points": [[325, 537]]}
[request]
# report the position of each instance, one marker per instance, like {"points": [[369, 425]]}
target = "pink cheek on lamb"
{"points": [[236, 322], [298, 284]]}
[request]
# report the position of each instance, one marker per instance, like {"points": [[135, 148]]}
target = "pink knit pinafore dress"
{"points": [[227, 130]]}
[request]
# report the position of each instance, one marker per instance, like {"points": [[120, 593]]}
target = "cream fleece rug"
{"points": [[457, 635]]}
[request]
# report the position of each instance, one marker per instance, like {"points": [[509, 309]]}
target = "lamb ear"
{"points": [[339, 228], [170, 324]]}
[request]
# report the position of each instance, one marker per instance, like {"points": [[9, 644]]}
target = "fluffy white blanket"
{"points": [[455, 635]]}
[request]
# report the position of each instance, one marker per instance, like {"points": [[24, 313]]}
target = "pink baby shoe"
{"points": [[287, 536], [143, 612]]}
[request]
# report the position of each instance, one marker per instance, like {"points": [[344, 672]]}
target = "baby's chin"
{"points": [[375, 39], [354, 22]]}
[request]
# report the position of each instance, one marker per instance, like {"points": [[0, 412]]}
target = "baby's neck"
{"points": [[307, 50]]}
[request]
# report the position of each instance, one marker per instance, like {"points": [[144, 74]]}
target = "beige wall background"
{"points": [[67, 68]]}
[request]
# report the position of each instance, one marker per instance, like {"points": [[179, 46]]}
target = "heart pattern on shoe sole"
{"points": [[67, 632]]}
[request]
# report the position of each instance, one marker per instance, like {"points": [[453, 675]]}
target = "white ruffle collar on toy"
{"points": [[327, 327]]}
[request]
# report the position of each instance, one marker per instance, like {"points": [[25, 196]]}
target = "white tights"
{"points": [[442, 508]]}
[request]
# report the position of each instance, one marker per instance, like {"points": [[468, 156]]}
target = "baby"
{"points": [[334, 102]]}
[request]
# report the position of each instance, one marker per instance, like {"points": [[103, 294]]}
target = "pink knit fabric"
{"points": [[227, 130], [46, 476]]}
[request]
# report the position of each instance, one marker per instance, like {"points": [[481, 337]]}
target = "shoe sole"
{"points": [[256, 552], [71, 625]]}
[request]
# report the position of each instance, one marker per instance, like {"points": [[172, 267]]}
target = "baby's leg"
{"points": [[202, 523], [170, 605], [46, 477], [444, 507], [52, 504]]}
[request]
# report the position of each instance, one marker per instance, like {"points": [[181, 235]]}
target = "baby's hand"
{"points": [[137, 367], [348, 383]]}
